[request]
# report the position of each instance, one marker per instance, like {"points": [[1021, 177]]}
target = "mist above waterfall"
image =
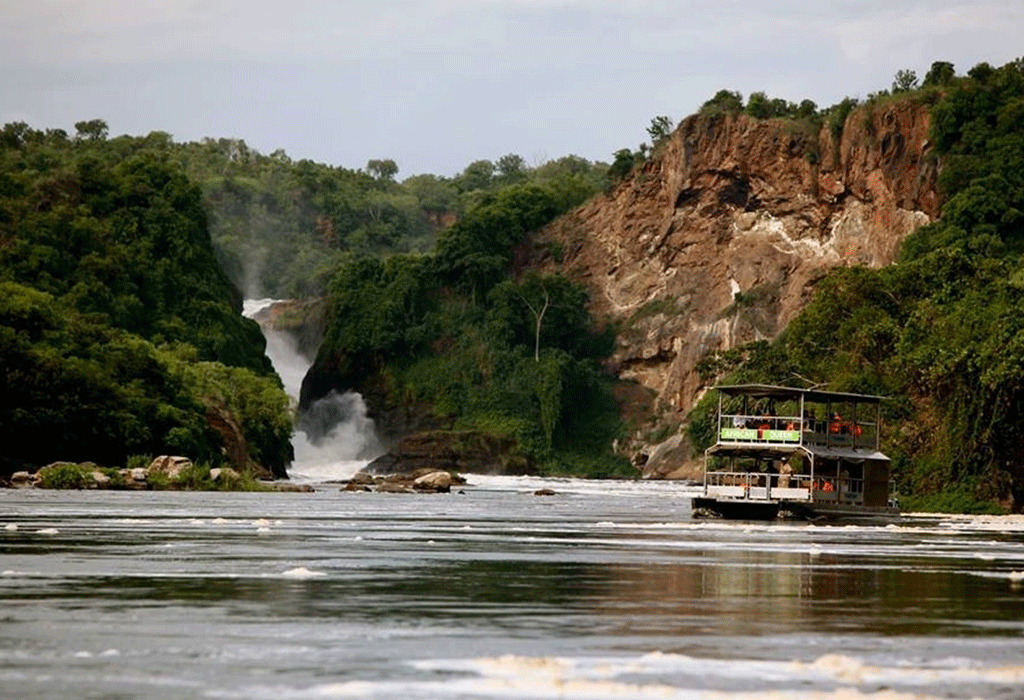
{"points": [[335, 429], [334, 437]]}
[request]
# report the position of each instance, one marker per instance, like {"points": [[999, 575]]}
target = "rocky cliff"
{"points": [[719, 238]]}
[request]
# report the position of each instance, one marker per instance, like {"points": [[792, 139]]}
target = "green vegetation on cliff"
{"points": [[119, 333], [941, 331]]}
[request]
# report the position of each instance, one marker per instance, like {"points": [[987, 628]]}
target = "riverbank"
{"points": [[162, 473], [181, 474]]}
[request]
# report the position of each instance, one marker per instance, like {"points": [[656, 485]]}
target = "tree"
{"points": [[478, 175], [807, 109], [538, 309], [660, 129], [905, 81], [384, 170], [724, 101], [624, 162], [511, 169], [759, 106], [941, 73], [92, 130]]}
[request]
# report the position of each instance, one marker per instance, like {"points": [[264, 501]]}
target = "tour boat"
{"points": [[786, 452]]}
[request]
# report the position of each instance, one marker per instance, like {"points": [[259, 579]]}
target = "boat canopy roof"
{"points": [[845, 454], [773, 391]]}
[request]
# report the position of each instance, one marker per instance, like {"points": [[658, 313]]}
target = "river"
{"points": [[605, 590]]}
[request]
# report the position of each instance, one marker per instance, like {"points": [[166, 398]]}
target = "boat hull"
{"points": [[746, 509]]}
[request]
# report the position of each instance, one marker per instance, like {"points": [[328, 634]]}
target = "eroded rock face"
{"points": [[719, 239]]}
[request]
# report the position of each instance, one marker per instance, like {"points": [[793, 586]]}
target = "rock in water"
{"points": [[439, 481]]}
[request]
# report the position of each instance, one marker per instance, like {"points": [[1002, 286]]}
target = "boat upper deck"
{"points": [[774, 418]]}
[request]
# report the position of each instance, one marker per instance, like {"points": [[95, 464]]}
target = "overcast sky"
{"points": [[437, 84]]}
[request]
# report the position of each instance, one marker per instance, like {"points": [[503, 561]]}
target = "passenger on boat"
{"points": [[785, 471], [810, 420], [836, 426]]}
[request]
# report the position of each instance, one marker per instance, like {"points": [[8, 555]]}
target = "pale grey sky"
{"points": [[436, 84]]}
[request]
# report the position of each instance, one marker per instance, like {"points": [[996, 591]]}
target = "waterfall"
{"points": [[334, 438]]}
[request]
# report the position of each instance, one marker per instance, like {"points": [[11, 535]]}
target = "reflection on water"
{"points": [[606, 590]]}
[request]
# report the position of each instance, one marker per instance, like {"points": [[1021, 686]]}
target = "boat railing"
{"points": [[839, 490], [757, 486]]}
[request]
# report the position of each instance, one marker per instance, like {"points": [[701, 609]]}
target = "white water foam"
{"points": [[662, 675], [341, 437]]}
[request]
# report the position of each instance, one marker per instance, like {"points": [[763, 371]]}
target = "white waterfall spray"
{"points": [[336, 438]]}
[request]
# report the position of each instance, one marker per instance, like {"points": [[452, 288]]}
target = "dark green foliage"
{"points": [[837, 114], [571, 180], [512, 170], [625, 161], [194, 477], [385, 169], [282, 228], [941, 73], [513, 358], [724, 102], [475, 253], [66, 475], [547, 312], [381, 307], [904, 81], [806, 109], [660, 129], [107, 279], [759, 106]]}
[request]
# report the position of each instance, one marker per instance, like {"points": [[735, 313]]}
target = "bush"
{"points": [[195, 477], [66, 475], [233, 481], [959, 500], [138, 461]]}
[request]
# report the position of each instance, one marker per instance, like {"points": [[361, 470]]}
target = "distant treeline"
{"points": [[282, 227]]}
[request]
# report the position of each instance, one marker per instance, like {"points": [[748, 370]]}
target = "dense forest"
{"points": [[120, 335], [941, 331]]}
